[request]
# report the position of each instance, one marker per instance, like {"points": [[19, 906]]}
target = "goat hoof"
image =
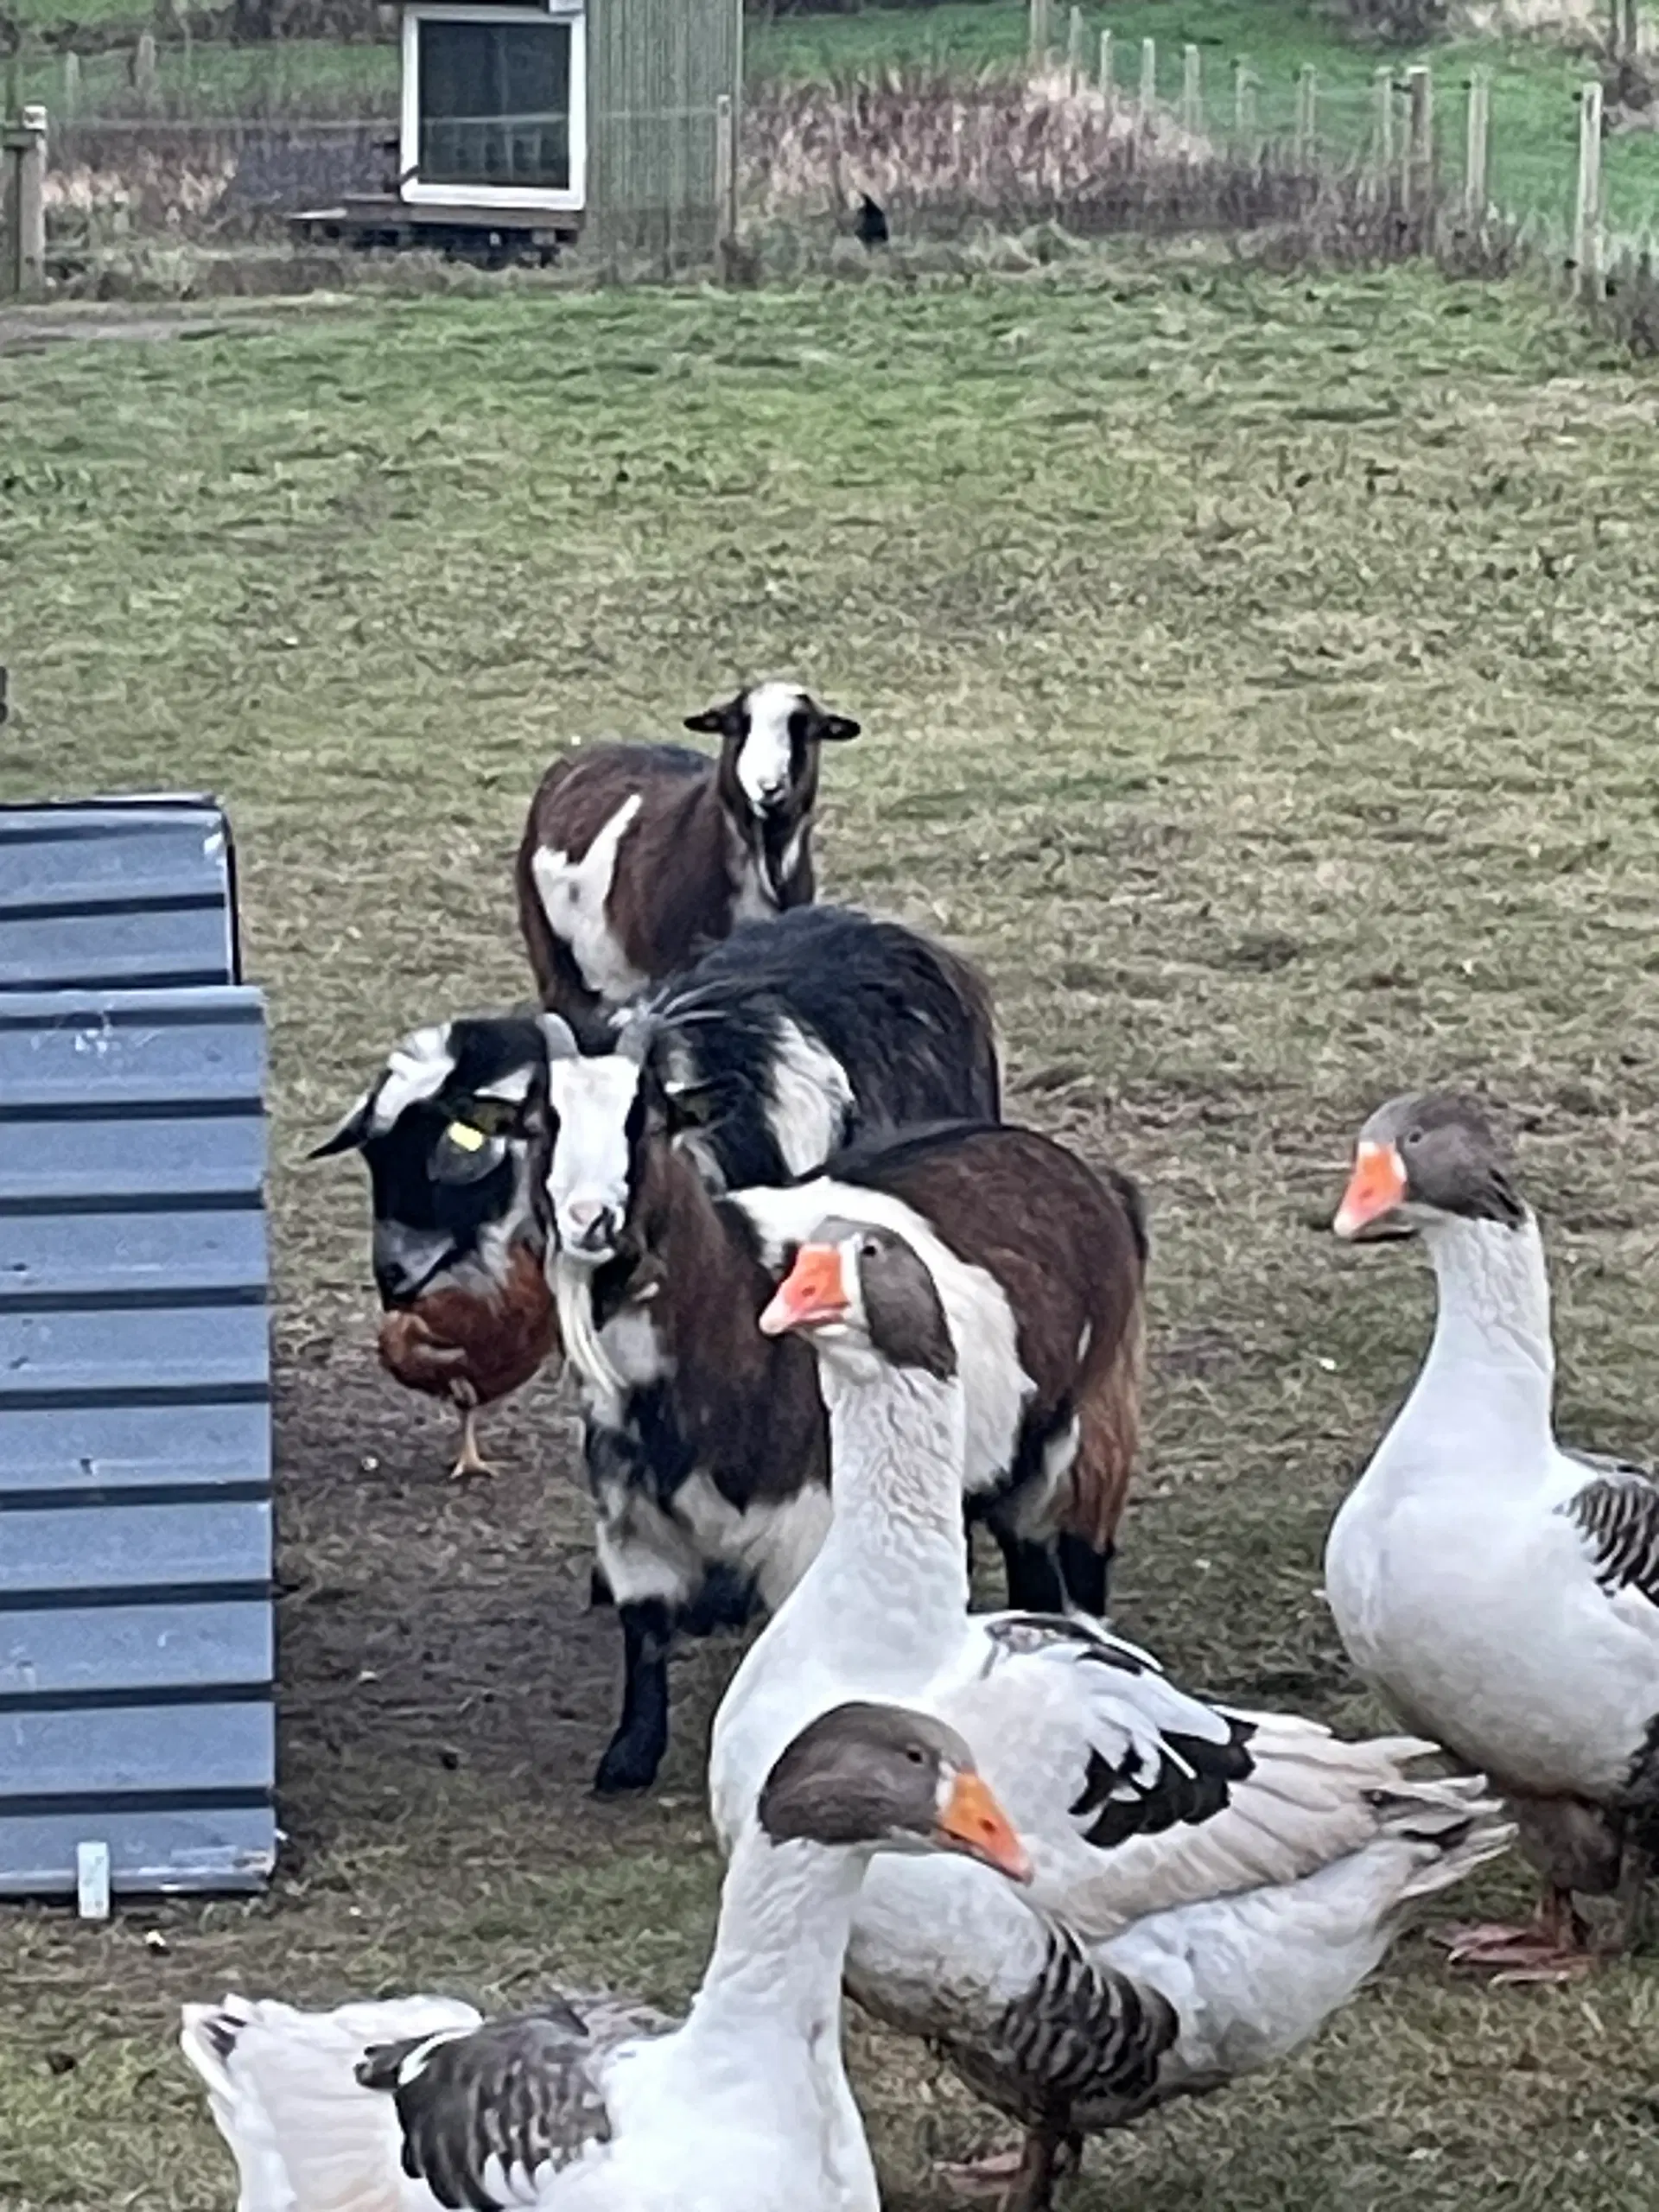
{"points": [[625, 1766], [599, 1590]]}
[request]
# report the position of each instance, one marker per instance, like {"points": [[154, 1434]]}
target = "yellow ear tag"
{"points": [[466, 1136]]}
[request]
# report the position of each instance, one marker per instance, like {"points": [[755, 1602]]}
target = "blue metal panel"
{"points": [[64, 1542], [115, 1447], [135, 1627], [121, 893], [224, 1845], [151, 1645], [55, 1749]]}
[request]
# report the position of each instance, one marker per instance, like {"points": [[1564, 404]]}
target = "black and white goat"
{"points": [[637, 856], [453, 1131], [705, 1441], [791, 1038]]}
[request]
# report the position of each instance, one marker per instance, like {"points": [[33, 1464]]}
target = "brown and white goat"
{"points": [[707, 1443], [637, 856]]}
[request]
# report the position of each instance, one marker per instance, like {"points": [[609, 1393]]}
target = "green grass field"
{"points": [[1259, 675]]}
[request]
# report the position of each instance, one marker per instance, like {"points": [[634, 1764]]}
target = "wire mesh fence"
{"points": [[215, 141], [209, 178]]}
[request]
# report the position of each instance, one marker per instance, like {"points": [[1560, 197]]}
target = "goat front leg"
{"points": [[635, 1751], [1033, 1572]]}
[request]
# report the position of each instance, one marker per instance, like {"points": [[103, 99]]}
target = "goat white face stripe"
{"points": [[418, 1068], [763, 759], [591, 1100]]}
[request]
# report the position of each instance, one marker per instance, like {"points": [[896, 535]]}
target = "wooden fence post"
{"points": [[1586, 221], [1478, 140], [1148, 77], [1419, 141], [1074, 53], [1108, 81], [1192, 91], [71, 83], [725, 183], [1308, 99], [22, 261], [1040, 34], [143, 68], [1243, 100], [1382, 125]]}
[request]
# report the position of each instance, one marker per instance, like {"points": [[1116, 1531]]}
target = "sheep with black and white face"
{"points": [[636, 857]]}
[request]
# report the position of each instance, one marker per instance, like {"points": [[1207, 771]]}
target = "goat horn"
{"points": [[559, 1037], [634, 1043]]}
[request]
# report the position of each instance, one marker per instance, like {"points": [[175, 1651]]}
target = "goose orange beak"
{"points": [[1375, 1187], [975, 1823], [814, 1290]]}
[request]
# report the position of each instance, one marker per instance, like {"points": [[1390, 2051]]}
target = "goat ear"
{"points": [[352, 1132], [719, 721], [834, 729]]}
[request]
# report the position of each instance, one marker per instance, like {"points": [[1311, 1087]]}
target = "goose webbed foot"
{"points": [[1553, 1946], [990, 2176], [1019, 2180]]}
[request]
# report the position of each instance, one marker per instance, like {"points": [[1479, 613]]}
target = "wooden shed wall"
{"points": [[655, 71]]}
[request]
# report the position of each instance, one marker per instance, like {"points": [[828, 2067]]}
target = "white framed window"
{"points": [[494, 105]]}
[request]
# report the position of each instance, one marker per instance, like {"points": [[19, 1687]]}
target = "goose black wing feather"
{"points": [[1617, 1515], [517, 2095]]}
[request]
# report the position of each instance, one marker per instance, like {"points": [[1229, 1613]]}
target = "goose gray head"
{"points": [[886, 1777], [856, 1290], [1424, 1157]]}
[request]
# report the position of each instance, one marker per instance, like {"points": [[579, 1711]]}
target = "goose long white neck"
{"points": [[1487, 1385], [774, 1977], [892, 1577]]}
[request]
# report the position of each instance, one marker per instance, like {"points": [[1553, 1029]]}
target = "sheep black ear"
{"points": [[835, 729], [719, 721], [352, 1134]]}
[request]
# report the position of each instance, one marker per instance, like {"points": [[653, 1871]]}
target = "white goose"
{"points": [[1502, 1592], [418, 2104], [1216, 1881]]}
